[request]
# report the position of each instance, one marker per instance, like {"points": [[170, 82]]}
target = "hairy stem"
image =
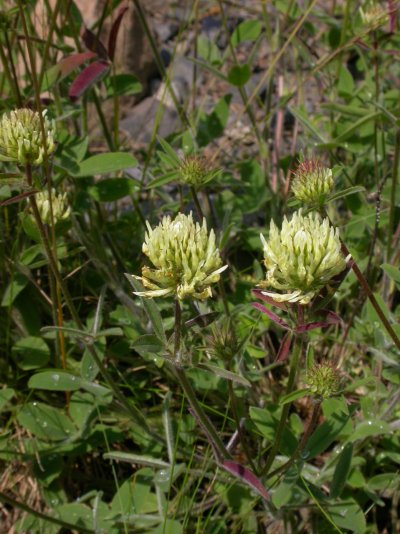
{"points": [[189, 391], [298, 345]]}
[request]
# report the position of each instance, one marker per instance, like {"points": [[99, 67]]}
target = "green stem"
{"points": [[136, 415], [189, 391], [307, 433], [103, 121], [395, 175], [242, 438], [371, 296], [160, 65], [368, 291], [197, 204], [298, 344]]}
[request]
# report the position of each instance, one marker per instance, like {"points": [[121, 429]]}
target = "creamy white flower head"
{"points": [[301, 258], [312, 182], [21, 137], [185, 258], [59, 202], [374, 14]]}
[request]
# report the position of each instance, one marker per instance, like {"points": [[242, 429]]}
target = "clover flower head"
{"points": [[312, 182], [196, 171], [301, 258], [323, 380], [21, 138], [59, 203], [185, 258], [374, 14]]}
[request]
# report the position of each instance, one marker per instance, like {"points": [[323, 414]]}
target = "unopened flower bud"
{"points": [[323, 380], [21, 138], [223, 344], [194, 170], [301, 258], [185, 258], [312, 182]]}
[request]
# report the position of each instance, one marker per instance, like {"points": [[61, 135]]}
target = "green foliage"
{"points": [[116, 411]]}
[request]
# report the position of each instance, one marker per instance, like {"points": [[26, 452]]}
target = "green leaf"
{"points": [[385, 481], [342, 471], [239, 75], [173, 158], [56, 380], [290, 397], [45, 422], [31, 352], [13, 289], [89, 369], [345, 84], [348, 514], [163, 179], [150, 308], [111, 189], [345, 193], [6, 394], [135, 459], [301, 116], [224, 373], [104, 164], [356, 126], [325, 434], [208, 50], [212, 126], [248, 30], [369, 428], [148, 343], [267, 424], [207, 66], [392, 272], [122, 85]]}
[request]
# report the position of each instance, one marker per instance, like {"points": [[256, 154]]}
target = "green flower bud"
{"points": [[61, 210], [21, 137], [323, 380], [194, 170], [223, 344], [312, 182], [185, 258], [301, 257]]}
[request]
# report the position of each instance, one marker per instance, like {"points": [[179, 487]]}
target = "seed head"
{"points": [[59, 202], [185, 258], [323, 380], [301, 257], [195, 170], [21, 137], [312, 182]]}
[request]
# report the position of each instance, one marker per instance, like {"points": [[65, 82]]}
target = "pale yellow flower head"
{"points": [[21, 137], [301, 258], [185, 258], [59, 202], [312, 182]]}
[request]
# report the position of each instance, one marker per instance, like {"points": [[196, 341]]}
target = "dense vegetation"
{"points": [[164, 368]]}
